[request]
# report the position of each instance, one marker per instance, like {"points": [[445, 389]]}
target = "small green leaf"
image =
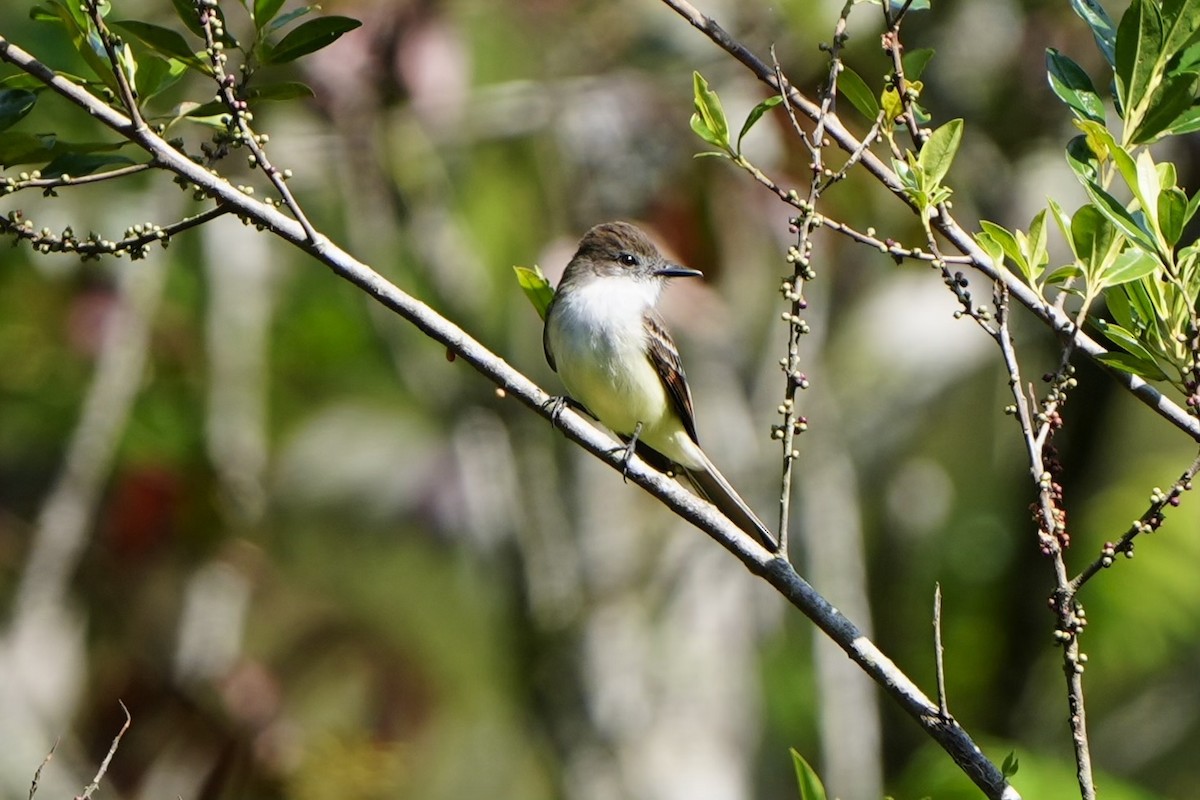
{"points": [[756, 114], [1172, 205], [309, 38], [14, 105], [1010, 246], [938, 152], [1061, 275], [1073, 86], [265, 11], [1180, 20], [1082, 160], [1190, 211], [1105, 33], [284, 19], [1187, 122], [1062, 218], [993, 249], [914, 62], [713, 127], [1010, 765], [1092, 238], [536, 288], [807, 781], [855, 89]]}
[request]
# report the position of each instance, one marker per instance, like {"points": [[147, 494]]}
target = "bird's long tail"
{"points": [[712, 486]]}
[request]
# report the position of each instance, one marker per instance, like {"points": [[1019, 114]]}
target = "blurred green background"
{"points": [[317, 559]]}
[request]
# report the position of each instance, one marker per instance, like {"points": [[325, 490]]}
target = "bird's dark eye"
{"points": [[628, 259]]}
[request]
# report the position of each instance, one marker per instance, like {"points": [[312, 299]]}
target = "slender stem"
{"points": [[939, 652]]}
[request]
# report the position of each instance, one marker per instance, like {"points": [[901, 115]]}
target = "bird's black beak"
{"points": [[676, 271]]}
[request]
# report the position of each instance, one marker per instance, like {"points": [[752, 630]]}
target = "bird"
{"points": [[605, 338]]}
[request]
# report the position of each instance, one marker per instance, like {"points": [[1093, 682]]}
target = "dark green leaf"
{"points": [[74, 21], [287, 90], [536, 288], [77, 164], [938, 152], [1082, 160], [1172, 205], [186, 11], [14, 105], [914, 62], [1101, 24], [1190, 211], [1121, 310], [1010, 765], [1127, 362], [1180, 19], [1170, 100], [855, 89], [1073, 86], [1187, 122], [756, 114], [309, 38], [1187, 61], [1139, 44], [168, 42], [809, 784], [17, 149], [1123, 337], [265, 11]]}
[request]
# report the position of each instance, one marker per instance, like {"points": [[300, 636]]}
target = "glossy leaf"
{"points": [[1181, 19], [14, 105], [309, 38], [1082, 160], [284, 19], [1073, 86], [856, 90], [938, 152], [1105, 33], [1169, 101], [536, 288], [1008, 243], [1172, 206], [1092, 239], [1139, 44], [1187, 122], [807, 781]]}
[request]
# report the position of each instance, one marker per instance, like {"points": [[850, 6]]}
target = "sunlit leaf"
{"points": [[807, 781], [1131, 265], [1073, 86], [1127, 362], [1139, 43], [1101, 24], [855, 89], [1172, 206], [536, 288], [938, 152], [709, 121]]}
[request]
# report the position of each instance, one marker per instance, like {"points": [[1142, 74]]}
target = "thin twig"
{"points": [[112, 751], [939, 652], [10, 186], [37, 775]]}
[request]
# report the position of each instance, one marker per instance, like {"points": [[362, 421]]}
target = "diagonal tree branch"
{"points": [[778, 572]]}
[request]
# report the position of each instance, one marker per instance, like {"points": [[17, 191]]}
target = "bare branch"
{"points": [[112, 751]]}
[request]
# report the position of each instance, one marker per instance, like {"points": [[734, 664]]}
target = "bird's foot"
{"points": [[629, 448], [556, 406]]}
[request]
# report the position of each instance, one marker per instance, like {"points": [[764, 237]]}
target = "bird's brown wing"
{"points": [[664, 356]]}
